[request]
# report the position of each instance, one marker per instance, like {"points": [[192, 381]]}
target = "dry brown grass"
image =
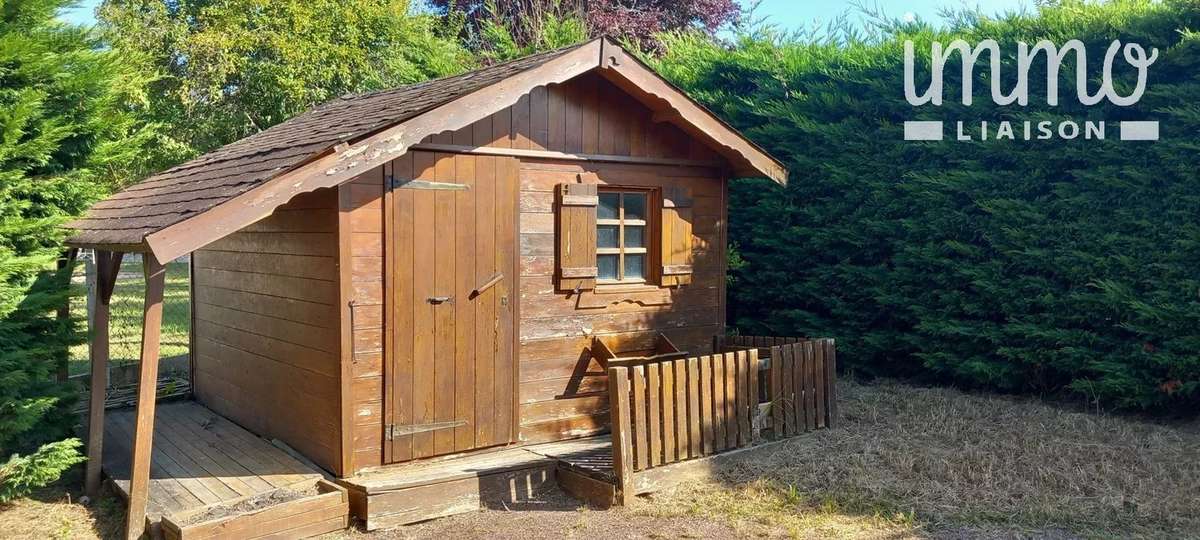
{"points": [[905, 462], [55, 512], [909, 461]]}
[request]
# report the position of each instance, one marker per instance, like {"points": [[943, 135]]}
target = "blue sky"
{"points": [[784, 13]]}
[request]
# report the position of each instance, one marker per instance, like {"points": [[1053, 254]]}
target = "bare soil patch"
{"points": [[252, 504]]}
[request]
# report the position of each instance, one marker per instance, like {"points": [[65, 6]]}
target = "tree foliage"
{"points": [[66, 137], [1040, 266], [527, 23], [224, 69]]}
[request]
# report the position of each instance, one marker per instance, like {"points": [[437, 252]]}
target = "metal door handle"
{"points": [[487, 285], [441, 299]]}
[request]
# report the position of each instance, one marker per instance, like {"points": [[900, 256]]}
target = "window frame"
{"points": [[646, 223]]}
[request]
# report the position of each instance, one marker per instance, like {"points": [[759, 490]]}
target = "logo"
{"points": [[1133, 55]]}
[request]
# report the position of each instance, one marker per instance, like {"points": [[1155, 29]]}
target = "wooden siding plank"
{"points": [[443, 354], [506, 301], [539, 121], [424, 315], [464, 359], [485, 304], [402, 291]]}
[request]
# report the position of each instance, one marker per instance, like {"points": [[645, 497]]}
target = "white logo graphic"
{"points": [[1133, 53]]}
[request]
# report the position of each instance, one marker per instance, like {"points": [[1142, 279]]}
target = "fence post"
{"points": [[618, 397]]}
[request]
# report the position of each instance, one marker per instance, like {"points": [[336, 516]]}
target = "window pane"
{"points": [[606, 236], [608, 206], [634, 236], [634, 267], [607, 266], [635, 206]]}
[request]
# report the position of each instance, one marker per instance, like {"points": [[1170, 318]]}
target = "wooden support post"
{"points": [[618, 388], [107, 265], [143, 432]]}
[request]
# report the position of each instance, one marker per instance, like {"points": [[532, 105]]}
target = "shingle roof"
{"points": [[183, 191]]}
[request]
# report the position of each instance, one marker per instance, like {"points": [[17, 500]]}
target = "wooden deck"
{"points": [[590, 457], [200, 459]]}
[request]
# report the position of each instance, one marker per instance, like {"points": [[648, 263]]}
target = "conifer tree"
{"points": [[66, 135], [1052, 266]]}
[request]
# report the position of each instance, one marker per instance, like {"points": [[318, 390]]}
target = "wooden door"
{"points": [[453, 362]]}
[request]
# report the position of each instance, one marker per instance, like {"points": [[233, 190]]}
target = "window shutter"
{"points": [[577, 236], [676, 236]]}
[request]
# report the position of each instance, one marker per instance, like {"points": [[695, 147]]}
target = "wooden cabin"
{"points": [[438, 271]]}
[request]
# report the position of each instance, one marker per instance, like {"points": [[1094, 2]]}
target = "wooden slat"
{"points": [[667, 403], [681, 409], [442, 360], [654, 413], [695, 419], [403, 306], [743, 402], [424, 323], [707, 424], [641, 438], [831, 382], [464, 310], [486, 222], [753, 389], [622, 450], [720, 423], [731, 415], [539, 122], [810, 385], [819, 382], [506, 299], [791, 402]]}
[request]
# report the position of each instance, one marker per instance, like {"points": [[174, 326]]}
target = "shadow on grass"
{"points": [[55, 511]]}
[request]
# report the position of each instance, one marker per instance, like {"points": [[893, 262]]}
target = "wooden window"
{"points": [[617, 236], [622, 236]]}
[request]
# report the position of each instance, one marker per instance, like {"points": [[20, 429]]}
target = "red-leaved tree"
{"points": [[637, 20]]}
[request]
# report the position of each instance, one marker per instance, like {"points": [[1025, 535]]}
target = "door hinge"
{"points": [[391, 431]]}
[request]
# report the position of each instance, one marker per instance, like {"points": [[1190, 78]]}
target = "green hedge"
{"points": [[1030, 266]]}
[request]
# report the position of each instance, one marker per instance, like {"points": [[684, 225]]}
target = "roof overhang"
{"points": [[346, 161]]}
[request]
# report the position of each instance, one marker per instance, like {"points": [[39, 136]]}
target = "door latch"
{"points": [[435, 300]]}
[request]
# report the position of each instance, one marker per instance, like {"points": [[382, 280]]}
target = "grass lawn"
{"points": [[125, 316], [906, 462]]}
